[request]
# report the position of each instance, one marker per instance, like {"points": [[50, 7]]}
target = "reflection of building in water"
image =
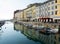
{"points": [[37, 36], [1, 32], [18, 27]]}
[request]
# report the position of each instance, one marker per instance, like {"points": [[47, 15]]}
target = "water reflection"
{"points": [[2, 23], [1, 32], [36, 36]]}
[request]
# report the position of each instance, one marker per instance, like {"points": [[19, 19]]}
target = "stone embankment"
{"points": [[50, 25], [36, 25]]}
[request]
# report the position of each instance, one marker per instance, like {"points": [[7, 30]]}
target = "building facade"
{"points": [[21, 15], [48, 11], [17, 15], [31, 11], [56, 11]]}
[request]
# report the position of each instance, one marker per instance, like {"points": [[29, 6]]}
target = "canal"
{"points": [[12, 33]]}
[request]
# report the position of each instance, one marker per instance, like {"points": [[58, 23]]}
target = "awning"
{"points": [[45, 18]]}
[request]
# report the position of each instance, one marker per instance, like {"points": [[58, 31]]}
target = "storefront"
{"points": [[45, 19]]}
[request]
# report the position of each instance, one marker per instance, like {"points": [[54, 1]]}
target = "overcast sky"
{"points": [[7, 7]]}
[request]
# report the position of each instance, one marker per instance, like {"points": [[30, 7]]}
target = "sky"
{"points": [[7, 7]]}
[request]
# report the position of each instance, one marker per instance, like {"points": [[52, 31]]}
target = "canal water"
{"points": [[12, 33]]}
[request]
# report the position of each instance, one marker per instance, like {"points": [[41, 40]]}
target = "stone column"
{"points": [[48, 20]]}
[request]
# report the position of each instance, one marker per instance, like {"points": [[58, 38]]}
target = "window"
{"points": [[52, 13], [56, 12], [48, 13], [55, 7], [52, 2], [48, 8], [55, 1], [52, 7], [49, 3]]}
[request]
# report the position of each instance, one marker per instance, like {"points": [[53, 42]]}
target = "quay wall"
{"points": [[50, 25]]}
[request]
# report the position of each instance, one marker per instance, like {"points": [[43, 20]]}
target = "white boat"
{"points": [[54, 30], [37, 27]]}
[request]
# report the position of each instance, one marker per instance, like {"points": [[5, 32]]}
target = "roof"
{"points": [[34, 4], [17, 11], [38, 4]]}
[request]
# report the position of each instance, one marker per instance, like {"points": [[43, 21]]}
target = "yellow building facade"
{"points": [[56, 11], [17, 16], [58, 7], [30, 12], [21, 15]]}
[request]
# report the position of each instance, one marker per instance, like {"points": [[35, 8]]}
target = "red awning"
{"points": [[45, 18]]}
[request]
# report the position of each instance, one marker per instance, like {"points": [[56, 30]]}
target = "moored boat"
{"points": [[54, 30], [37, 27], [49, 30]]}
